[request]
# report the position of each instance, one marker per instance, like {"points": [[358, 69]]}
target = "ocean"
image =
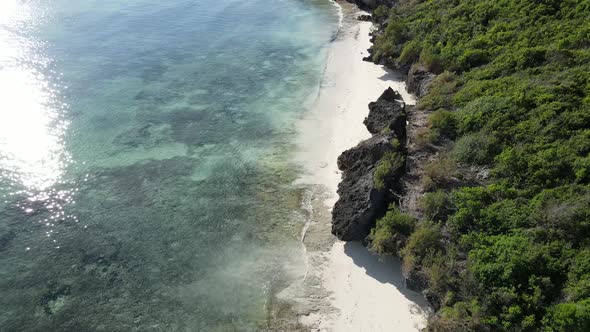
{"points": [[146, 173]]}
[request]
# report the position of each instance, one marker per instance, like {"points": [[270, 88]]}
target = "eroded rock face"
{"points": [[362, 158], [419, 80], [387, 114], [366, 18], [360, 202]]}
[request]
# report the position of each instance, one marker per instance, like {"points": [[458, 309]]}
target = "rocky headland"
{"points": [[347, 287], [386, 168], [362, 197]]}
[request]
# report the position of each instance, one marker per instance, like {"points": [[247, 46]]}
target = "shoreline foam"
{"points": [[364, 292]]}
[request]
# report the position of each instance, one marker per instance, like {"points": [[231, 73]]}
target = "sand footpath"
{"points": [[360, 291]]}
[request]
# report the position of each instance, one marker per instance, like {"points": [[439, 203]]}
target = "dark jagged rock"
{"points": [[372, 4], [419, 80], [387, 113], [360, 201], [367, 18], [360, 159]]}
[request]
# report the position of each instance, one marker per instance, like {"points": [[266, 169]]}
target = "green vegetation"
{"points": [[439, 173], [442, 124], [513, 93], [390, 164], [477, 148], [422, 243], [435, 205], [391, 231], [441, 95]]}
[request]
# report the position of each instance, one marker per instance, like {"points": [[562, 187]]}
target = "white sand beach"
{"points": [[365, 292]]}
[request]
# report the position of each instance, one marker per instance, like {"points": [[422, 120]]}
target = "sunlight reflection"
{"points": [[32, 154]]}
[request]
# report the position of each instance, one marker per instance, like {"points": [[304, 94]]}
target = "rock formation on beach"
{"points": [[362, 199], [419, 80], [387, 113]]}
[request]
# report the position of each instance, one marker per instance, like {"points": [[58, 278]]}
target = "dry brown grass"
{"points": [[438, 173]]}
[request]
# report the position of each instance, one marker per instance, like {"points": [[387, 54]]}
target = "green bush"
{"points": [[566, 317], [436, 205], [383, 237], [437, 173], [578, 283], [410, 53], [492, 114], [438, 270], [388, 166], [381, 12], [514, 91], [385, 45], [441, 92], [517, 286], [424, 240], [431, 61], [444, 122], [477, 148], [472, 58], [462, 316]]}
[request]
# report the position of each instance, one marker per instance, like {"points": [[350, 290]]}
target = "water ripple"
{"points": [[33, 158]]}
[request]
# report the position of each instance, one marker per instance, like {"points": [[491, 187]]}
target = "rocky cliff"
{"points": [[391, 154], [371, 170]]}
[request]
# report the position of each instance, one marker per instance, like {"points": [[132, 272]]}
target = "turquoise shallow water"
{"points": [[144, 160]]}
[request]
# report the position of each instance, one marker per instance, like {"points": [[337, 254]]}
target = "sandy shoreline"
{"points": [[351, 289]]}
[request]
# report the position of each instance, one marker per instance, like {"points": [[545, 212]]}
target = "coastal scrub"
{"points": [[508, 98]]}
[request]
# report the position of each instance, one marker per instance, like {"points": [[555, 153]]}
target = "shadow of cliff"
{"points": [[385, 269], [391, 75]]}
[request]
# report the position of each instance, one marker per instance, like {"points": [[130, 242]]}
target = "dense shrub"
{"points": [[425, 240], [436, 205], [565, 317], [443, 123], [386, 47], [381, 12], [518, 277], [410, 53], [430, 60], [462, 316], [385, 237], [513, 92], [477, 148], [438, 173], [441, 93], [578, 282], [388, 166]]}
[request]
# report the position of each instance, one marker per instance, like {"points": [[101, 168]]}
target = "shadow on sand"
{"points": [[387, 270], [391, 75]]}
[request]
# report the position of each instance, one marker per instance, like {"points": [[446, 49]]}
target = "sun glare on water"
{"points": [[32, 154]]}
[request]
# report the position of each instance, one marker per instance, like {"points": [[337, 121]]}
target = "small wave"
{"points": [[340, 20], [340, 13]]}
